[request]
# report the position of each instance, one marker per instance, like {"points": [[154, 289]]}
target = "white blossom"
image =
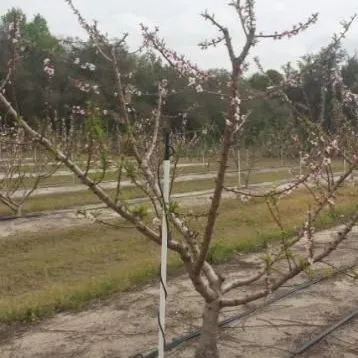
{"points": [[199, 89], [192, 81], [156, 222], [95, 89], [236, 101], [244, 198], [91, 67]]}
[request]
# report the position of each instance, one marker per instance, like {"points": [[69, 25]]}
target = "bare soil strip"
{"points": [[126, 324]]}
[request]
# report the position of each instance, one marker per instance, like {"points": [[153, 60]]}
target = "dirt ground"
{"points": [[70, 217], [127, 183], [126, 324], [341, 343]]}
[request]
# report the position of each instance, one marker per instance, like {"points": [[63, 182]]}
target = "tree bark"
{"points": [[19, 211], [207, 347]]}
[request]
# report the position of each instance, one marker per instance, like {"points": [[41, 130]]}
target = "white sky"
{"points": [[182, 27]]}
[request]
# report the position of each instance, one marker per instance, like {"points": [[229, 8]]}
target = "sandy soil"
{"points": [[127, 183], [70, 217], [341, 343], [126, 324], [67, 172]]}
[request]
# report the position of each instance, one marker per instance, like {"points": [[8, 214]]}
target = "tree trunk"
{"points": [[19, 211], [207, 347]]}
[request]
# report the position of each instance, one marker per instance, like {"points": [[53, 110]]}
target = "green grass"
{"points": [[85, 197], [70, 179], [253, 223], [44, 273]]}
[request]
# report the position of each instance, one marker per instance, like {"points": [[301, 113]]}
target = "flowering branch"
{"points": [[225, 33], [296, 29]]}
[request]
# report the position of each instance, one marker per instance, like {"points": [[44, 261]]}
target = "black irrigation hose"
{"points": [[49, 213], [43, 214], [325, 333], [178, 341], [24, 216]]}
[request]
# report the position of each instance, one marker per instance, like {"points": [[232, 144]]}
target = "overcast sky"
{"points": [[183, 28]]}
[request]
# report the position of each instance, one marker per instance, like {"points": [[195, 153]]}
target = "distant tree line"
{"points": [[80, 76]]}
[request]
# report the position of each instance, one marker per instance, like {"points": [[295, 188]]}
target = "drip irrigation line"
{"points": [[344, 320], [25, 216], [135, 200], [44, 214], [181, 340]]}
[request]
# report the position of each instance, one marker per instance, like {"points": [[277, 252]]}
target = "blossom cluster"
{"points": [[350, 99], [14, 32], [296, 29], [85, 66], [204, 45], [234, 121], [307, 240], [86, 87], [48, 68], [92, 30], [193, 83], [184, 67], [78, 110], [81, 111]]}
